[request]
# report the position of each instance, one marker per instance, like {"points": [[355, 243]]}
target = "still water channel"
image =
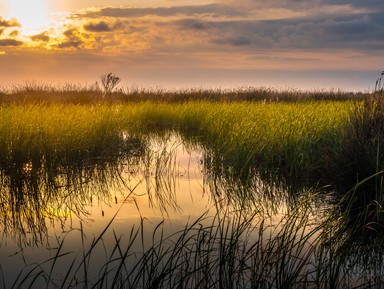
{"points": [[152, 192]]}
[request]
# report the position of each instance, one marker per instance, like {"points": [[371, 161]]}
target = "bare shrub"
{"points": [[109, 82]]}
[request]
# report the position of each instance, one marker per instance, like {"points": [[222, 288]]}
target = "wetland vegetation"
{"points": [[294, 182]]}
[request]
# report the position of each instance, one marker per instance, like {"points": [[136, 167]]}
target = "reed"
{"points": [[356, 171], [290, 137], [226, 250], [36, 92]]}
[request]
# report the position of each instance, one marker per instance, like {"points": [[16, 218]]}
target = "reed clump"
{"points": [[358, 170], [361, 151], [289, 137]]}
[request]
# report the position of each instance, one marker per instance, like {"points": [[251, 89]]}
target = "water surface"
{"points": [[150, 188]]}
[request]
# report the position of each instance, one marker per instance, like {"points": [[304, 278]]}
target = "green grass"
{"points": [[48, 152], [291, 137]]}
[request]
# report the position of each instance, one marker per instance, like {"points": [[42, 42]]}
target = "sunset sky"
{"points": [[202, 43]]}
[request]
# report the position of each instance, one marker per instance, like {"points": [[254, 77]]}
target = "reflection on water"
{"points": [[158, 186], [38, 190]]}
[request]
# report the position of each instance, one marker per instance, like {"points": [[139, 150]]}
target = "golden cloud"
{"points": [[10, 42], [9, 23], [43, 37]]}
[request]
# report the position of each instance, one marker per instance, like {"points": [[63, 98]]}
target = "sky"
{"points": [[313, 44]]}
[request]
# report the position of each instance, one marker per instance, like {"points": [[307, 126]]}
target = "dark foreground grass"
{"points": [[358, 170]]}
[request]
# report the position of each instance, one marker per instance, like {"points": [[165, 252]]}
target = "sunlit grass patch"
{"points": [[290, 136]]}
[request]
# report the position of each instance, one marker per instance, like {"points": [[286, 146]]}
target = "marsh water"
{"points": [[154, 189]]}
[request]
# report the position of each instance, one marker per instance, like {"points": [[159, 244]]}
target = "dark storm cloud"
{"points": [[10, 42], [44, 37]]}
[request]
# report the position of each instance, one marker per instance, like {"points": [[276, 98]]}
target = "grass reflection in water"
{"points": [[58, 186]]}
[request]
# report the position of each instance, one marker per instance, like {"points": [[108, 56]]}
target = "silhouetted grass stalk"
{"points": [[227, 250]]}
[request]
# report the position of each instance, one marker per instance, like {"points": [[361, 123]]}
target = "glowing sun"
{"points": [[31, 14]]}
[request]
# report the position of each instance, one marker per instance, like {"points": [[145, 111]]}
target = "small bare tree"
{"points": [[109, 82], [379, 87]]}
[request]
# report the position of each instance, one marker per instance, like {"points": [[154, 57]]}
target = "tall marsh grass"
{"points": [[358, 172], [35, 92], [293, 138], [53, 160]]}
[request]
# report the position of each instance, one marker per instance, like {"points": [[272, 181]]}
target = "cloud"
{"points": [[70, 44], [43, 37], [217, 10], [101, 26], [372, 5], [9, 23], [274, 24], [308, 5], [72, 39], [356, 31], [239, 40], [227, 26], [14, 33], [194, 24], [10, 42]]}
